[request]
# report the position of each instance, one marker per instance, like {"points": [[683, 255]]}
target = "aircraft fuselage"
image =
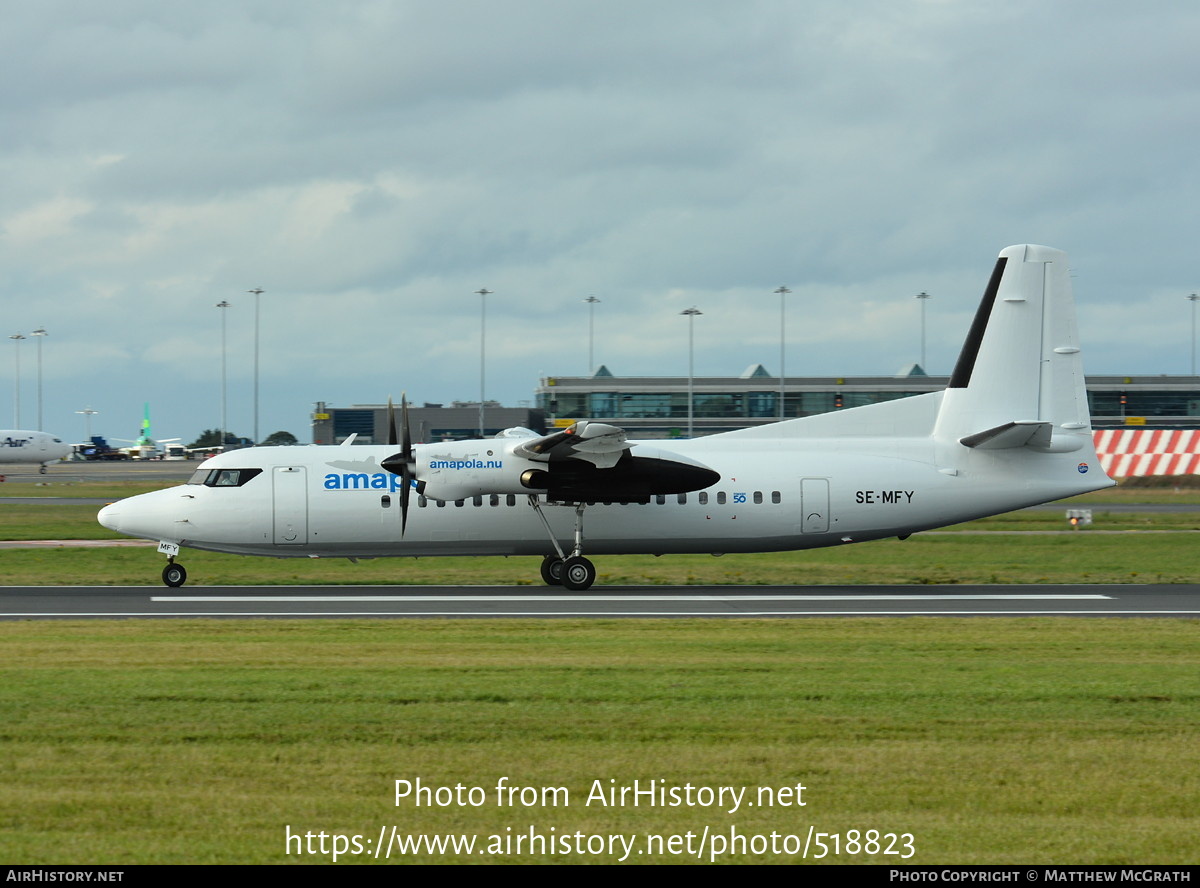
{"points": [[313, 501], [25, 447]]}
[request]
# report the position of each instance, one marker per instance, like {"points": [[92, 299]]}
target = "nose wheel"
{"points": [[174, 575]]}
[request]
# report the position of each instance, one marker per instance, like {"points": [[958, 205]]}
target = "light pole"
{"points": [[40, 332], [257, 291], [591, 301], [691, 316], [223, 304], [782, 291], [88, 413], [1192, 299], [922, 297], [482, 291], [17, 337]]}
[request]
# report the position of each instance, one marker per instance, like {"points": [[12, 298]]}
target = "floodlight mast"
{"points": [[691, 314]]}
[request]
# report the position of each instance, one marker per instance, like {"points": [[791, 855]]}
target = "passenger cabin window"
{"points": [[223, 477], [720, 497]]}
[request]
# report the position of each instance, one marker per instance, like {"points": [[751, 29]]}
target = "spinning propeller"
{"points": [[403, 462]]}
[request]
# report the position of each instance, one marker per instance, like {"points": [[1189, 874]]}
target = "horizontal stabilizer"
{"points": [[1031, 433], [1012, 434]]}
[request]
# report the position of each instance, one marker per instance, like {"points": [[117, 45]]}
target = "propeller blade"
{"points": [[406, 456], [406, 449], [406, 480], [404, 462]]}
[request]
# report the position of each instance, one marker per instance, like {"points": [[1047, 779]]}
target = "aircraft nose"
{"points": [[110, 516]]}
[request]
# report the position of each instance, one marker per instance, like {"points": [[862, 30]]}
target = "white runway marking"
{"points": [[584, 598]]}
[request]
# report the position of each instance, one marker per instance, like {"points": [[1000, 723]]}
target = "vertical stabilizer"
{"points": [[1019, 378]]}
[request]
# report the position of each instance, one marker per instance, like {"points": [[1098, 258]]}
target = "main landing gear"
{"points": [[572, 571], [575, 573], [173, 574]]}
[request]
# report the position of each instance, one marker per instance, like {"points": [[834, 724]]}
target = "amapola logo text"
{"points": [[363, 481], [466, 464]]}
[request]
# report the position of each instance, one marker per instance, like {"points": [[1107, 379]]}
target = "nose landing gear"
{"points": [[173, 574]]}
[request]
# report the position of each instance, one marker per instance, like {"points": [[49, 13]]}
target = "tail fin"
{"points": [[1019, 378]]}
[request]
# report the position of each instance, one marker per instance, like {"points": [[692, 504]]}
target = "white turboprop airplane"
{"points": [[1012, 429], [21, 446]]}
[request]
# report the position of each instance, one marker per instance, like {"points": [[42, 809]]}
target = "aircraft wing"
{"points": [[594, 442]]}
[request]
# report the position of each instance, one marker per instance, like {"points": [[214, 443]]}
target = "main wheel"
{"points": [[552, 571], [578, 574], [174, 575], [42, 470]]}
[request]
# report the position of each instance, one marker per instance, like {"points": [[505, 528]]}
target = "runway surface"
{"points": [[59, 602]]}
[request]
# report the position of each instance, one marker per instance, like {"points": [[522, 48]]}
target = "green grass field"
{"points": [[922, 559], [989, 741]]}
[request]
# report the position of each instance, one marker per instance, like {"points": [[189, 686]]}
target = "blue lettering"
{"points": [[466, 464], [363, 481]]}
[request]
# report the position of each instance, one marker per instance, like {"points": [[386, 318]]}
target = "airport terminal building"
{"points": [[657, 407], [430, 422]]}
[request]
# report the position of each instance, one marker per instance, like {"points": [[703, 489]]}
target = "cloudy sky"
{"points": [[370, 165]]}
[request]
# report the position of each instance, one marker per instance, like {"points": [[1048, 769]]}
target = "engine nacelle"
{"points": [[463, 469], [458, 470]]}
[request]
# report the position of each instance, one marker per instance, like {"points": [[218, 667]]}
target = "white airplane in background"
{"points": [[1011, 430], [20, 446]]}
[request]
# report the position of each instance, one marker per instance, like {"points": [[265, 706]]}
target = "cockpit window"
{"points": [[223, 477]]}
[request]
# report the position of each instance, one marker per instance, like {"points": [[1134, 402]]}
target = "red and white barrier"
{"points": [[1127, 452]]}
